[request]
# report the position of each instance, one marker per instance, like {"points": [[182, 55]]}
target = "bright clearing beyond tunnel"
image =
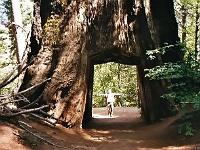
{"points": [[121, 79]]}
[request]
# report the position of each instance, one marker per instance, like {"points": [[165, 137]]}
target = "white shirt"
{"points": [[111, 97]]}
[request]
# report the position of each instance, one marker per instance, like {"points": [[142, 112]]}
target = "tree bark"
{"points": [[69, 38]]}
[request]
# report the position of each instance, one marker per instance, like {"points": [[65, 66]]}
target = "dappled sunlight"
{"points": [[124, 131]]}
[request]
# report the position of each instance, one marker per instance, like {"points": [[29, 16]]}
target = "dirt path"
{"points": [[124, 131]]}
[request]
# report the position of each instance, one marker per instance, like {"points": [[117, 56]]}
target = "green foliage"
{"points": [[7, 50], [52, 30], [186, 128], [7, 59], [184, 77], [161, 50], [120, 79], [26, 10]]}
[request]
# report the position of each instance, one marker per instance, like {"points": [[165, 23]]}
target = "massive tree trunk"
{"points": [[70, 37]]}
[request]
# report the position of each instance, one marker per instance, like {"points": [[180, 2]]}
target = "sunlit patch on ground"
{"points": [[104, 116]]}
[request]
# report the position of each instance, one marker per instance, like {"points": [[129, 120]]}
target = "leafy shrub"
{"points": [[184, 77]]}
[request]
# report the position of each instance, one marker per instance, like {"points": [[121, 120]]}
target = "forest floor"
{"points": [[125, 130]]}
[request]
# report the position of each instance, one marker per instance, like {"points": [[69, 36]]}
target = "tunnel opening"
{"points": [[121, 79], [118, 72]]}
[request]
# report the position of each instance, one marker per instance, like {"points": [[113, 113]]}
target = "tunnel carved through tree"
{"points": [[70, 37]]}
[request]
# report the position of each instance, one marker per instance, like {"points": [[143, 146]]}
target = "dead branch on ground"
{"points": [[12, 112], [38, 136], [6, 82], [42, 118], [9, 109], [8, 103]]}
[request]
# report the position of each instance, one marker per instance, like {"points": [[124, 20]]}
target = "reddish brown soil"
{"points": [[124, 131]]}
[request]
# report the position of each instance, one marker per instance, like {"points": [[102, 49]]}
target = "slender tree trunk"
{"points": [[196, 31], [183, 23], [118, 75], [19, 34]]}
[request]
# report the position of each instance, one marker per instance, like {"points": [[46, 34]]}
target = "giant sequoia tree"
{"points": [[70, 36]]}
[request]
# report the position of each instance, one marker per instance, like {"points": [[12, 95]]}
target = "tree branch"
{"points": [[42, 118], [8, 77], [32, 87], [52, 117], [12, 101], [34, 102], [21, 111], [11, 80]]}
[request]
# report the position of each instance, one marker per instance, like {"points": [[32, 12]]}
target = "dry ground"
{"points": [[124, 131]]}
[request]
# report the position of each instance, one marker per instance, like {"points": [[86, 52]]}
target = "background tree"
{"points": [[9, 52], [6, 58], [18, 31], [187, 15], [118, 77]]}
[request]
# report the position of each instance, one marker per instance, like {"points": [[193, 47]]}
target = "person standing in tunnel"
{"points": [[110, 97]]}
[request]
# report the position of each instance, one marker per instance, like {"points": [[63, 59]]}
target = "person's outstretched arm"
{"points": [[117, 94], [102, 94]]}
